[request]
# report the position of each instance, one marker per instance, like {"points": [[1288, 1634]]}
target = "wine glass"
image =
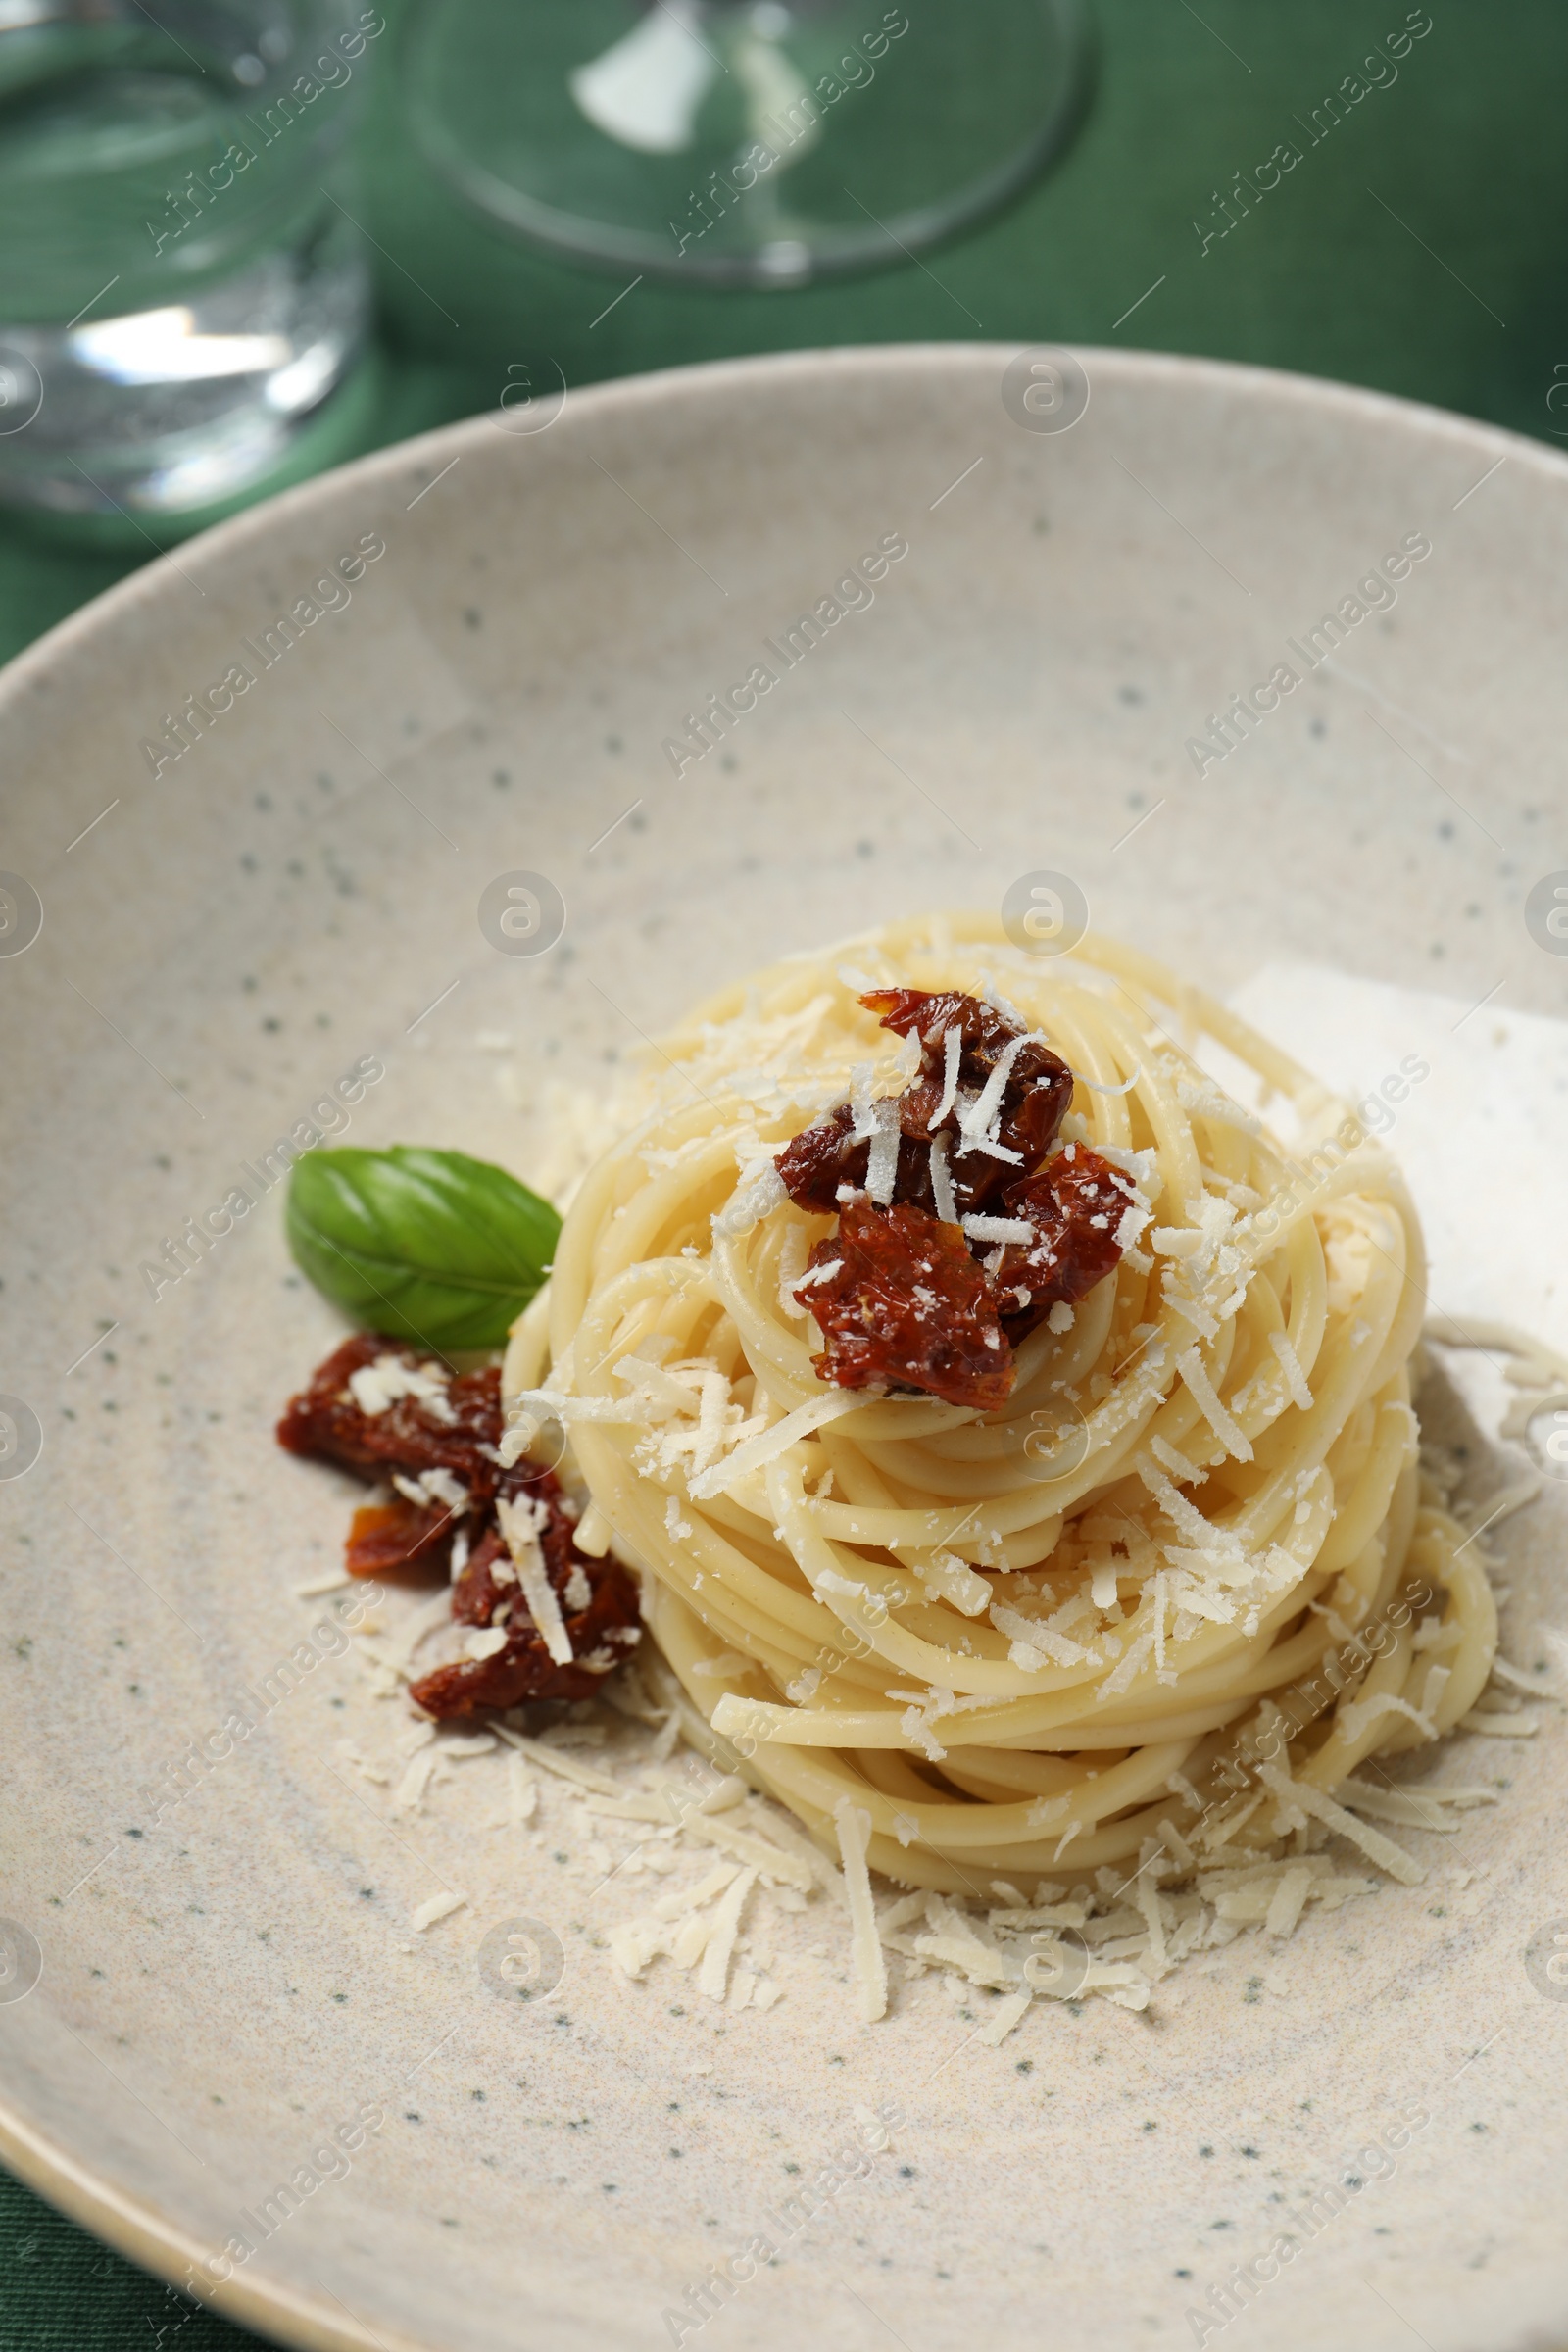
{"points": [[741, 142]]}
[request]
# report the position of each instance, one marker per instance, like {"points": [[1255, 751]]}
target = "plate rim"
{"points": [[26, 670], [124, 2220], [162, 2249]]}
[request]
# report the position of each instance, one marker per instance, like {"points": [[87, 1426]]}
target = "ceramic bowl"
{"points": [[487, 653]]}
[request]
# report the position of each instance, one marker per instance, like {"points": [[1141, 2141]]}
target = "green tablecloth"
{"points": [[1421, 247]]}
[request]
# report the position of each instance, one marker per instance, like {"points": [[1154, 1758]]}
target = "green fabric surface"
{"points": [[62, 2292], [1459, 301]]}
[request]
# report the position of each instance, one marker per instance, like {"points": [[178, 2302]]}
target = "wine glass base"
{"points": [[759, 144]]}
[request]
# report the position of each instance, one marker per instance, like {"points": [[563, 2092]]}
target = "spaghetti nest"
{"points": [[1169, 1596]]}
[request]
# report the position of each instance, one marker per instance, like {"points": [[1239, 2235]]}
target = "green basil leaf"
{"points": [[426, 1246]]}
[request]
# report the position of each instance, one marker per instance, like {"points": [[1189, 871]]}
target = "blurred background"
{"points": [[217, 279], [1420, 244]]}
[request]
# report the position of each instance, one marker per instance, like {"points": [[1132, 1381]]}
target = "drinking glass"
{"points": [[181, 293], [741, 142]]}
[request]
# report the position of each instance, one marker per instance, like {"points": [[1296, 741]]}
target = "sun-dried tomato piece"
{"points": [[1034, 1101], [932, 1013], [820, 1158], [826, 1155], [985, 1034], [1076, 1206], [1038, 1084], [899, 1309], [457, 1428], [905, 1305], [976, 1178], [603, 1630], [323, 1419], [476, 1592], [1034, 1105], [386, 1537], [488, 1574]]}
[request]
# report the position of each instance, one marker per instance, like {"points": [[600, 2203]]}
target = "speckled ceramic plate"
{"points": [[494, 637]]}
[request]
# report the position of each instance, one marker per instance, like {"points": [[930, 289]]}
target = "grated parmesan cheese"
{"points": [[713, 1978], [756, 1199], [952, 1056], [1300, 1799], [1499, 1722], [566, 1767], [1003, 2018], [853, 1825], [1204, 1395], [768, 1445], [999, 1228], [759, 1854], [713, 1406], [1287, 1901], [1291, 1366], [375, 1388], [947, 1578], [979, 1120], [522, 1789], [315, 1586], [947, 1208], [1176, 1463], [409, 1795], [591, 1535], [1035, 1645], [438, 1906], [882, 1161], [519, 1525]]}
